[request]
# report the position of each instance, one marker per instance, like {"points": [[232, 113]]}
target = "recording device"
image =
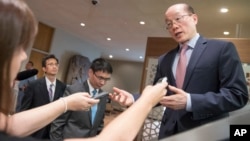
{"points": [[163, 79], [26, 74], [94, 2], [102, 94]]}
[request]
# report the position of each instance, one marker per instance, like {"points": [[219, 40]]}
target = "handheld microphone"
{"points": [[26, 74]]}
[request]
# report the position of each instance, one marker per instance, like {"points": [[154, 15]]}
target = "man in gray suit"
{"points": [[75, 124]]}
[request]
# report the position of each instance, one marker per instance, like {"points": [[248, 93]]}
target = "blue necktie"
{"points": [[93, 108]]}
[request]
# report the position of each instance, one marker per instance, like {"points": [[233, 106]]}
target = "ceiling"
{"points": [[119, 20]]}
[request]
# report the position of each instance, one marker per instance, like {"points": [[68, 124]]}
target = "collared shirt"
{"points": [[91, 89], [191, 45]]}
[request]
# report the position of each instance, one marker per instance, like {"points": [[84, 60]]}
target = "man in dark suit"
{"points": [[44, 90], [213, 81], [205, 76], [75, 124]]}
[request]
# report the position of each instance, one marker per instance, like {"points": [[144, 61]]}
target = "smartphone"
{"points": [[99, 95]]}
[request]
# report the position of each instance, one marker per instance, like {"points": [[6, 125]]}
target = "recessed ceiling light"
{"points": [[109, 39], [226, 33], [127, 49], [110, 56], [82, 24], [142, 22], [140, 57], [223, 10]]}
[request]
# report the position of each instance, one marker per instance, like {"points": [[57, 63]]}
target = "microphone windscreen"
{"points": [[26, 74]]}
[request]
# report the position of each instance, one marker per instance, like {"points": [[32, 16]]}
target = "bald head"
{"points": [[181, 6], [181, 22]]}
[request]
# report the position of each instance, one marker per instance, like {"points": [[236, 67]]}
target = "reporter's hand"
{"points": [[176, 101], [153, 94], [80, 101], [123, 97]]}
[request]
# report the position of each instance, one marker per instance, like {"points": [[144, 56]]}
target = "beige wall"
{"points": [[126, 75]]}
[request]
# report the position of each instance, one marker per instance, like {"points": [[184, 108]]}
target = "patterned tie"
{"points": [[181, 67], [51, 92], [93, 108]]}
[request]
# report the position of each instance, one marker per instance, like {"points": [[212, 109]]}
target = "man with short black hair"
{"points": [[74, 124], [43, 91]]}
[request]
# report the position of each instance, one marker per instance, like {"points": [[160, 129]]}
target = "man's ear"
{"points": [[195, 18], [44, 69], [90, 72]]}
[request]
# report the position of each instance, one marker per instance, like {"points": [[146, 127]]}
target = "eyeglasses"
{"points": [[179, 19], [53, 64], [102, 78]]}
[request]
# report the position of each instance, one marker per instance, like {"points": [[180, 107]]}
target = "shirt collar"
{"points": [[91, 88], [191, 43], [48, 82]]}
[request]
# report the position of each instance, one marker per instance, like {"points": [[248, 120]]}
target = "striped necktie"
{"points": [[51, 92]]}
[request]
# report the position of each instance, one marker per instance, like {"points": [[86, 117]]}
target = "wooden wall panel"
{"points": [[243, 48], [36, 58], [44, 37], [157, 46], [41, 46]]}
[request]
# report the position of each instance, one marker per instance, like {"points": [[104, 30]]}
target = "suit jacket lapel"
{"points": [[86, 86], [197, 52], [166, 65], [86, 89], [99, 105], [172, 57], [57, 90], [44, 90]]}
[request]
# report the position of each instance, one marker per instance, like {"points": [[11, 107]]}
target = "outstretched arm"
{"points": [[123, 97], [126, 126], [27, 122]]}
